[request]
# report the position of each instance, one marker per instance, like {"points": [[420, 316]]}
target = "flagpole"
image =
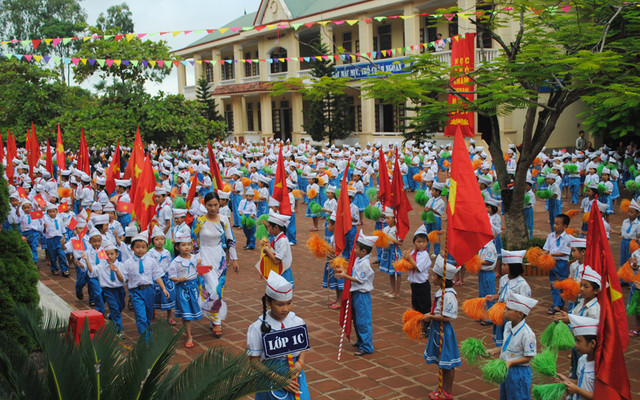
{"points": [[344, 326], [444, 281]]}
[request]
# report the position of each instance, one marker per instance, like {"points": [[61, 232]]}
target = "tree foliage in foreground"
{"points": [[583, 54]]}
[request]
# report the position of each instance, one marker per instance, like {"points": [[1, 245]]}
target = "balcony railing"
{"points": [[227, 82], [305, 73], [278, 76], [489, 55], [189, 92], [247, 79]]}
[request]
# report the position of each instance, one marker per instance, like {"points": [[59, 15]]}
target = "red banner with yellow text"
{"points": [[462, 62]]}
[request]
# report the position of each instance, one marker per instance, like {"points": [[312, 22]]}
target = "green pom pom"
{"points": [[541, 180], [544, 194], [337, 193], [631, 185], [421, 198], [445, 191], [315, 208], [299, 171], [247, 222], [562, 337], [352, 165], [495, 189], [612, 167], [633, 171], [428, 217], [179, 202], [527, 199], [267, 170], [545, 363], [261, 232], [633, 308], [168, 245], [599, 169], [548, 170], [407, 159], [472, 349], [551, 391], [495, 371], [446, 154], [601, 188], [243, 170], [372, 212], [264, 217], [372, 194], [571, 168], [547, 335]]}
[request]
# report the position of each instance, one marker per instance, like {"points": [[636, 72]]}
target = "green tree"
{"points": [[329, 112], [100, 367], [573, 54], [204, 96], [40, 19], [119, 19]]}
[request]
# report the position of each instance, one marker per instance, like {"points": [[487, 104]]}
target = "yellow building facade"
{"points": [[240, 88]]}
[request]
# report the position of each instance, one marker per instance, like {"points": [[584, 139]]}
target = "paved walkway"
{"points": [[396, 370]]}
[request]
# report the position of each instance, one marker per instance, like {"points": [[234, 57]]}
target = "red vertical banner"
{"points": [[462, 62]]}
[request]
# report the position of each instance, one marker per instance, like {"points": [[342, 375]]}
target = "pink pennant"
{"points": [[160, 63], [309, 24], [28, 57], [109, 63], [235, 29], [75, 61], [508, 8], [448, 16], [566, 8], [187, 32], [338, 22], [325, 57], [392, 16], [141, 35], [56, 41]]}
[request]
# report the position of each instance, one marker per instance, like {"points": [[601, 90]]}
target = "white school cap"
{"points": [[130, 231], [109, 246], [520, 303], [123, 182], [109, 207], [579, 243], [634, 204], [422, 230], [351, 192], [100, 219], [249, 192], [366, 240], [51, 206], [94, 232], [101, 181], [513, 257], [160, 191], [331, 189], [582, 326], [278, 288], [223, 195], [273, 202], [144, 236], [438, 186], [492, 202], [438, 268], [591, 275], [278, 219], [332, 217], [156, 232], [183, 236], [264, 179], [485, 180], [95, 206], [387, 212], [179, 212]]}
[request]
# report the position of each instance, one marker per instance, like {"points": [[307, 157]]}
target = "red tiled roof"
{"points": [[241, 88]]}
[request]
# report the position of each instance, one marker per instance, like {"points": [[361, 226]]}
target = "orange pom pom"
{"points": [[446, 164], [409, 314], [256, 196], [624, 205], [572, 213], [546, 262], [402, 266], [533, 254], [535, 173], [570, 288], [246, 182], [413, 327], [506, 156], [297, 194], [537, 161], [312, 193], [585, 217], [570, 231], [626, 273], [417, 177], [496, 313], [383, 239], [322, 181], [227, 188], [434, 236], [474, 265], [318, 247], [339, 263], [64, 192], [633, 246], [476, 164], [328, 173], [474, 308]]}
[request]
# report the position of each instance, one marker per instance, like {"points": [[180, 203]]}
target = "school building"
{"points": [[240, 81]]}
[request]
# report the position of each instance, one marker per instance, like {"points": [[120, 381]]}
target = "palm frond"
{"points": [[19, 377]]}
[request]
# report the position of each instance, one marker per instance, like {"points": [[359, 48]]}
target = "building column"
{"points": [[262, 54], [182, 78], [464, 25], [297, 116], [217, 68], [411, 30], [293, 52], [265, 112], [365, 33], [238, 66], [197, 68], [238, 115]]}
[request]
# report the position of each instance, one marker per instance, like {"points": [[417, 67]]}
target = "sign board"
{"points": [[285, 341], [366, 69]]}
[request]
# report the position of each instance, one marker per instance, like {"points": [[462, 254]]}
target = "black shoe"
{"points": [[80, 296]]}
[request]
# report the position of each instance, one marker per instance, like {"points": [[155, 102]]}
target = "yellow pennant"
{"points": [[130, 36]]}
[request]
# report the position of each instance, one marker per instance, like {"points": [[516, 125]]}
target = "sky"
{"points": [[173, 15]]}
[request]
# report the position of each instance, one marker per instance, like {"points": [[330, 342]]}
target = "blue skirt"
{"points": [[450, 357], [390, 255], [497, 241], [187, 306], [615, 193], [160, 302], [361, 200], [283, 394], [329, 279], [262, 208]]}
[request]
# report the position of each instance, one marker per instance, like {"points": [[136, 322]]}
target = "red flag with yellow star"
{"points": [[83, 155], [215, 170], [612, 380], [145, 204], [135, 163], [60, 159], [49, 159], [113, 172], [280, 191]]}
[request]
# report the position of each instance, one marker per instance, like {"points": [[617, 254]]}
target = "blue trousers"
{"points": [[56, 255], [32, 239], [235, 203], [250, 234], [436, 226], [114, 297], [291, 229], [351, 237], [528, 220], [624, 251], [498, 335], [574, 188], [378, 227], [413, 185], [94, 286], [362, 320], [142, 300], [486, 286], [560, 272], [555, 207], [518, 384], [81, 281]]}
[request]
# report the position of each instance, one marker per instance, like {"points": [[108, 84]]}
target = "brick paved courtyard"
{"points": [[396, 370]]}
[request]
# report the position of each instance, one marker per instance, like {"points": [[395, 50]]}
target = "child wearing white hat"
{"points": [[435, 205], [92, 255], [122, 189], [418, 276], [518, 349], [31, 228], [111, 282], [558, 245], [329, 280], [236, 194], [391, 254], [629, 230], [163, 211], [586, 332], [262, 203], [493, 206], [162, 256], [510, 282], [443, 311], [361, 286], [184, 272], [554, 203], [277, 315], [54, 231], [487, 275], [279, 249], [248, 210], [179, 224], [224, 204]]}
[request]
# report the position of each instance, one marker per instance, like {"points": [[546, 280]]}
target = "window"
{"points": [[383, 40], [346, 42], [250, 124], [252, 68], [483, 38], [359, 118], [390, 118], [259, 118], [208, 70], [277, 65], [430, 32], [453, 26], [227, 70], [228, 117]]}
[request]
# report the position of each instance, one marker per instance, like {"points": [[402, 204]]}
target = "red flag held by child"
{"points": [[49, 160], [384, 191], [37, 214], [60, 159], [78, 245], [280, 191], [399, 201], [345, 323], [215, 170], [343, 215], [72, 223], [113, 172], [145, 203]]}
